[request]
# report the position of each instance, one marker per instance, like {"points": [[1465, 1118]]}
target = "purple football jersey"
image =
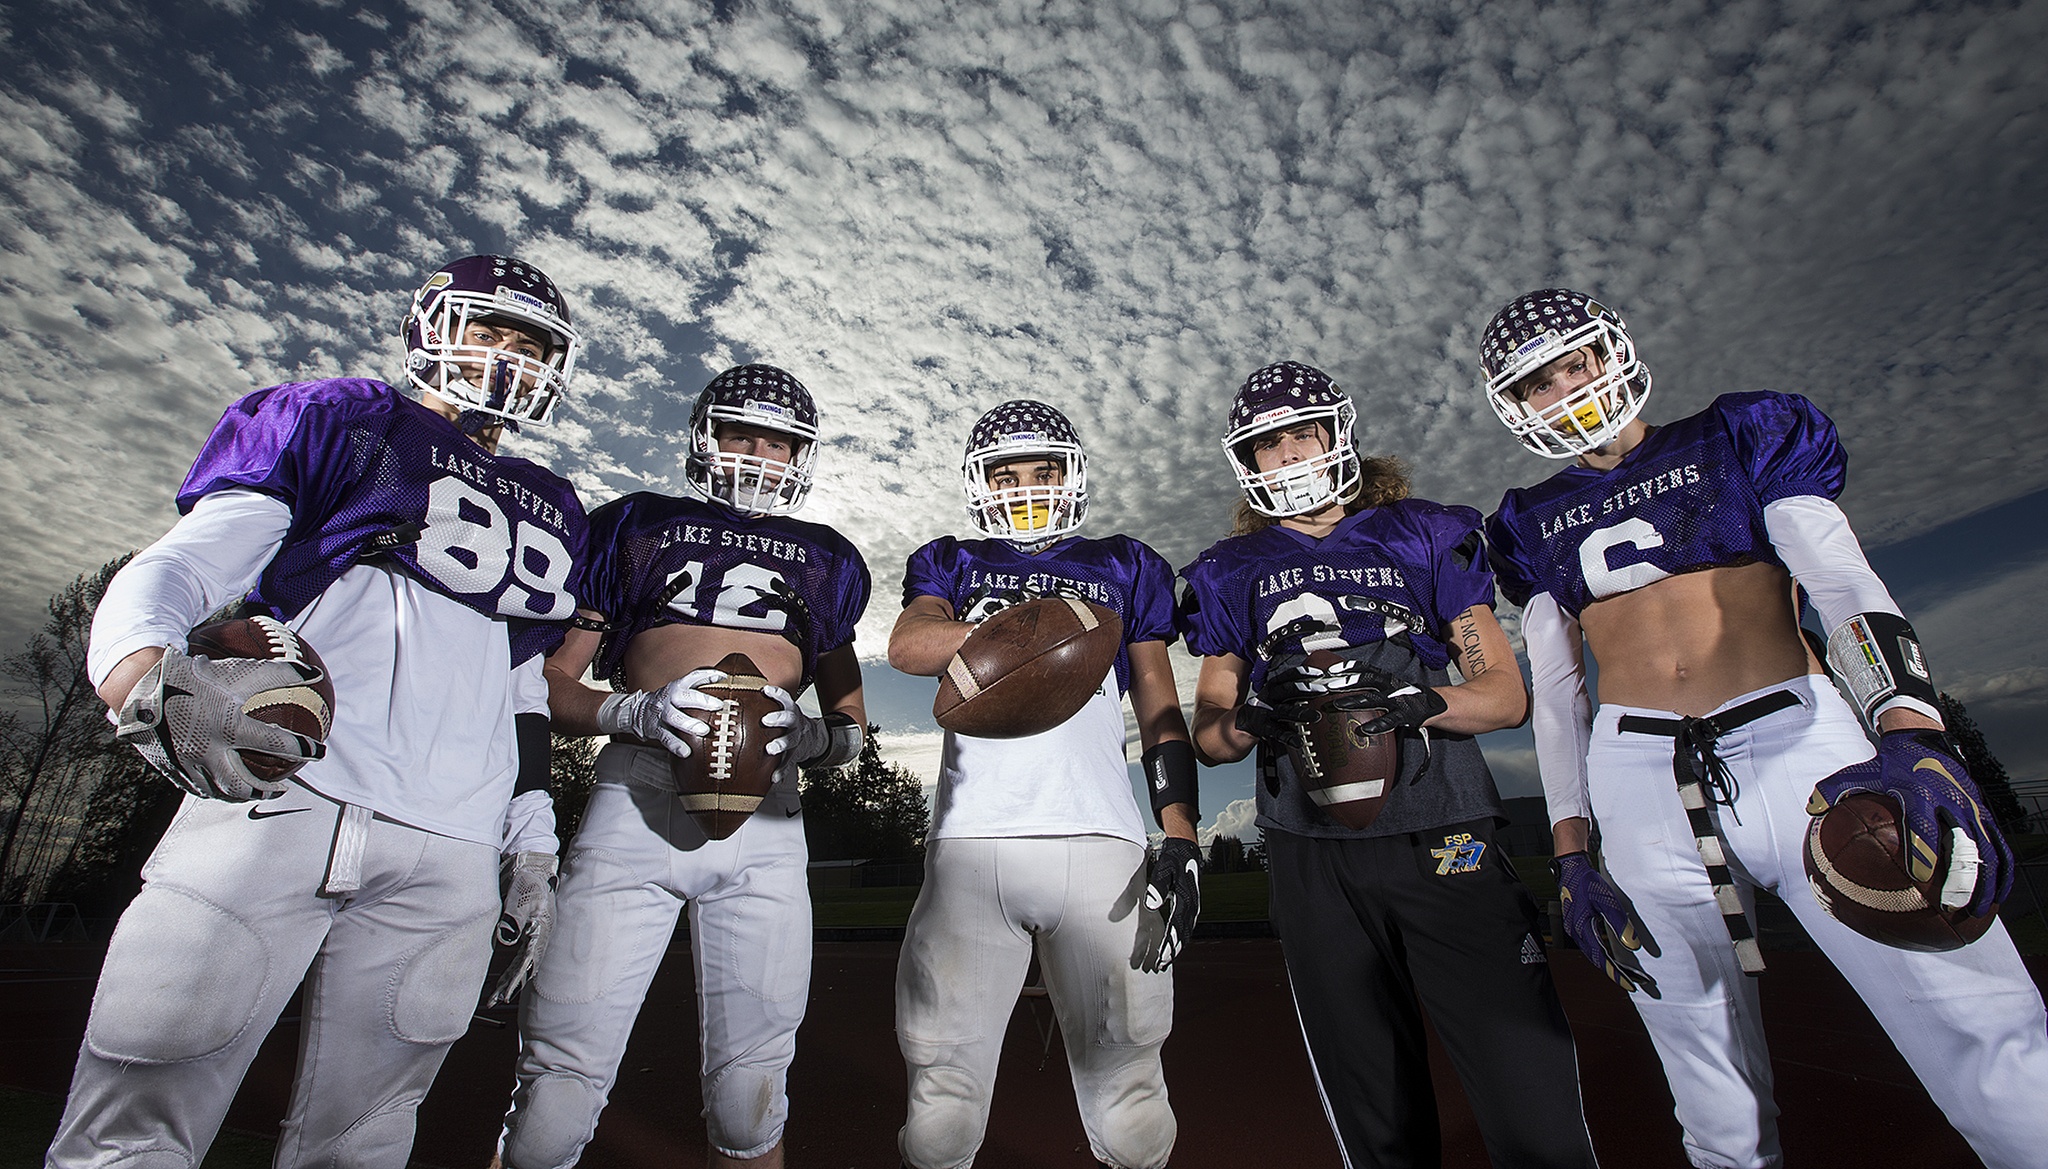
{"points": [[1690, 497], [1386, 581], [1398, 573], [367, 472], [981, 577], [659, 560]]}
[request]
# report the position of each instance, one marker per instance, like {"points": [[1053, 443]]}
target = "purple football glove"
{"points": [[1599, 924], [1919, 769]]}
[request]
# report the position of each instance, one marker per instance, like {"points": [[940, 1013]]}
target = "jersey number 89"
{"points": [[469, 546]]}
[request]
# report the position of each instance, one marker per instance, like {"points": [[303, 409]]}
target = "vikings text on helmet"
{"points": [[1029, 513], [1278, 397], [1541, 327], [767, 398], [440, 358]]}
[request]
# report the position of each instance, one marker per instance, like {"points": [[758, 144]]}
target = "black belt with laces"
{"points": [[1703, 780]]}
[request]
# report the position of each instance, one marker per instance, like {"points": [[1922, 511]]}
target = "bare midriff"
{"points": [[1689, 643], [660, 655]]}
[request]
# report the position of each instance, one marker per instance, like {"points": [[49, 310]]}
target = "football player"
{"points": [[1331, 557], [1040, 837], [674, 586], [431, 574], [1671, 553]]}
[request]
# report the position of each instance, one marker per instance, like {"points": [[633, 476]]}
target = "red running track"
{"points": [[1235, 1067]]}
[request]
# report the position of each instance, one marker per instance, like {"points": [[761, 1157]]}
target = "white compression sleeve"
{"points": [[1820, 549], [1814, 540], [213, 555], [1561, 713]]}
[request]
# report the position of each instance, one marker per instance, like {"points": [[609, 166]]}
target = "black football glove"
{"points": [[1276, 725], [1406, 704], [1173, 889]]}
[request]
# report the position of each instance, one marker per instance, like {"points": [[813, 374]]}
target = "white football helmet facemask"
{"points": [[1541, 327], [1279, 397], [495, 291], [1030, 514]]}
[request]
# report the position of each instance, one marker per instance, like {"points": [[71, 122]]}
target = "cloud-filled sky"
{"points": [[923, 209]]}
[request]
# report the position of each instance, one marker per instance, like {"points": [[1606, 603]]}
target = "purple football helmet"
{"points": [[1281, 396], [488, 371], [1541, 327], [768, 398], [1026, 513]]}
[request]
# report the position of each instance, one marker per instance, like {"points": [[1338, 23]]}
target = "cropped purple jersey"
{"points": [[981, 577], [368, 472], [1387, 581], [659, 560], [1689, 497]]}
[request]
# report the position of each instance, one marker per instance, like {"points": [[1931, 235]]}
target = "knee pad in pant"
{"points": [[745, 1107], [183, 980], [552, 1119], [436, 988], [947, 1119], [381, 1140]]}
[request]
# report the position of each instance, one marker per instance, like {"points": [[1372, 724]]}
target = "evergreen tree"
{"points": [[1984, 767], [1226, 855], [867, 810]]}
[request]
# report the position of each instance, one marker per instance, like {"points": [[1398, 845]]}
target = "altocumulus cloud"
{"points": [[923, 209]]}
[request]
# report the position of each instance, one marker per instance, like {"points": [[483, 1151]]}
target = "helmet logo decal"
{"points": [[528, 302]]}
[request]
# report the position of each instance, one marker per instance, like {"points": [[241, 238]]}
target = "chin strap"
{"points": [[474, 422]]}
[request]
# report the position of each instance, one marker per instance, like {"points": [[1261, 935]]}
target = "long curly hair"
{"points": [[1382, 480]]}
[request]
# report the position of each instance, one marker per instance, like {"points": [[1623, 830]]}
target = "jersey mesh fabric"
{"points": [[368, 472], [1392, 579], [1689, 497], [745, 572]]}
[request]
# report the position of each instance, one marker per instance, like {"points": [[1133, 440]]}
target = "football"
{"points": [[1028, 668], [1345, 771], [728, 771], [303, 710], [1856, 862]]}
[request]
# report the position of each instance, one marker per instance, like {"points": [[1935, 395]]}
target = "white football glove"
{"points": [[658, 715], [185, 716], [528, 919], [808, 738]]}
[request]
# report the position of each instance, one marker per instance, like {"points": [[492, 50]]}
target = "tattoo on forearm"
{"points": [[1472, 655]]}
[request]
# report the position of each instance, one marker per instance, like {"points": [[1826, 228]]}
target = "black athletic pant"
{"points": [[1368, 927]]}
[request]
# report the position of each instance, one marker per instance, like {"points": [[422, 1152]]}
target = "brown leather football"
{"points": [[1028, 668], [1856, 862], [1346, 772], [303, 710], [729, 770]]}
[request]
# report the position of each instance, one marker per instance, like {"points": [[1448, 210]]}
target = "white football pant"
{"points": [[963, 964], [637, 858], [206, 956], [1970, 1022]]}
